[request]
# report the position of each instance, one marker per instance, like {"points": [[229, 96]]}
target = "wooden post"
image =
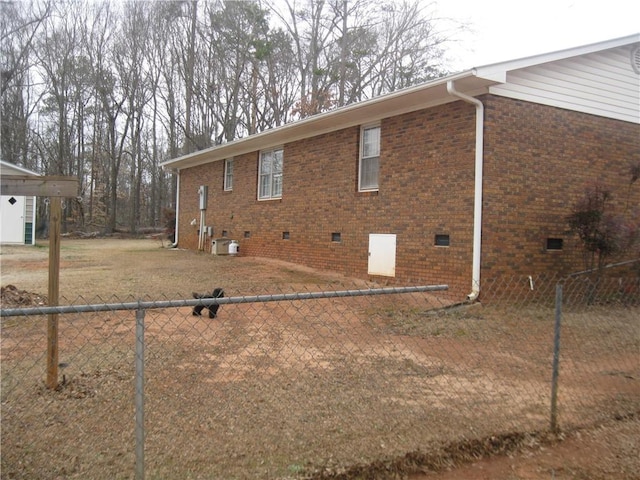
{"points": [[55, 221]]}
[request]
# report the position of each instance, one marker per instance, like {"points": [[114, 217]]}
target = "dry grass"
{"points": [[342, 388]]}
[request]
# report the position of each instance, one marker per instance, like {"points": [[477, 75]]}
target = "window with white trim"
{"points": [[369, 164], [270, 174], [228, 174]]}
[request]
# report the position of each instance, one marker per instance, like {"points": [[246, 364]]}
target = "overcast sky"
{"points": [[507, 30]]}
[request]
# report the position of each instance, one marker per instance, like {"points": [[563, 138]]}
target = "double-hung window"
{"points": [[369, 158], [270, 178], [228, 174]]}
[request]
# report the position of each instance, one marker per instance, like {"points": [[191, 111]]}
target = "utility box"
{"points": [[203, 193], [220, 246]]}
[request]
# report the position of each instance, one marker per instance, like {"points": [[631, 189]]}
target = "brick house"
{"points": [[465, 177]]}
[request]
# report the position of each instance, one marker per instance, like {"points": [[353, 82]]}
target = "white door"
{"points": [[382, 254], [12, 219]]}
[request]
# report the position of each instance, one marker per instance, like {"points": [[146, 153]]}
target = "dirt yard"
{"points": [[125, 268], [121, 270]]}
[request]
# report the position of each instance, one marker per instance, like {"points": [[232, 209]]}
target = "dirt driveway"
{"points": [[121, 270]]}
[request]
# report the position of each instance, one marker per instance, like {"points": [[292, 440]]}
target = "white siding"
{"points": [[15, 221], [601, 83]]}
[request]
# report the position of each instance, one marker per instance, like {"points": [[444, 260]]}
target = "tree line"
{"points": [[106, 90]]}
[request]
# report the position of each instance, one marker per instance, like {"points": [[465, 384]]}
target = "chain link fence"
{"points": [[322, 384]]}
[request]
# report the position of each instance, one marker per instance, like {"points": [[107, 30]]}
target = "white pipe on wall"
{"points": [[175, 241], [477, 203]]}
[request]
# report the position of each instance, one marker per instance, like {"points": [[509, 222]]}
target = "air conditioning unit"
{"points": [[220, 246]]}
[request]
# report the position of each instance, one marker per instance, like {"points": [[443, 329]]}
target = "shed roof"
{"points": [[473, 82], [7, 168]]}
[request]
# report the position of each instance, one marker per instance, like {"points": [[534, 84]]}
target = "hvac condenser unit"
{"points": [[220, 246]]}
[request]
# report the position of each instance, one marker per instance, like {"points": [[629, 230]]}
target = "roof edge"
{"points": [[277, 135], [473, 82], [20, 169], [489, 71]]}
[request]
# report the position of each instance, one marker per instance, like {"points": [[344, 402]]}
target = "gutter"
{"points": [[477, 203]]}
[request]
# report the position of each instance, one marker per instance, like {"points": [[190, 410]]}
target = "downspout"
{"points": [[175, 241], [477, 202]]}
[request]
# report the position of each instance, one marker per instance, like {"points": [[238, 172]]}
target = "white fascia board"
{"points": [[498, 71]]}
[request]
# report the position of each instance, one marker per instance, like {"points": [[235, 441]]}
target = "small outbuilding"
{"points": [[17, 212]]}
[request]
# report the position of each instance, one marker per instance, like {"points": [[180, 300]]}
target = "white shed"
{"points": [[17, 213]]}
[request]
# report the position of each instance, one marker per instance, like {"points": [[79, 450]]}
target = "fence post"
{"points": [[139, 400], [556, 360], [55, 215]]}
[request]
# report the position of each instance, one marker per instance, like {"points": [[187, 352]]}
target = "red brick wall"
{"points": [[537, 161]]}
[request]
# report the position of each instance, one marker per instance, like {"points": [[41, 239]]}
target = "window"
{"points": [[369, 158], [228, 174], [286, 236], [270, 178], [336, 237]]}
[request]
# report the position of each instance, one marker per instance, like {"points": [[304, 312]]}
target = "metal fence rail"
{"points": [[308, 384], [282, 297]]}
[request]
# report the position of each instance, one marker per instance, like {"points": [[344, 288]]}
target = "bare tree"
{"points": [[347, 51], [241, 32], [19, 24], [132, 70], [310, 25], [112, 96], [106, 89], [275, 91]]}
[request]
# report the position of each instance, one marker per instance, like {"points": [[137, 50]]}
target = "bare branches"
{"points": [[114, 86]]}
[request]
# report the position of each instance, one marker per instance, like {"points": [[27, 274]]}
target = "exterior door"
{"points": [[382, 254], [12, 219]]}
